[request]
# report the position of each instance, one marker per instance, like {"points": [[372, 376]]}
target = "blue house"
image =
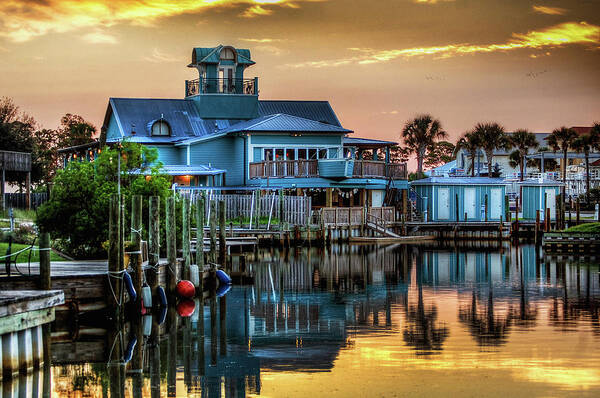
{"points": [[539, 194], [222, 136]]}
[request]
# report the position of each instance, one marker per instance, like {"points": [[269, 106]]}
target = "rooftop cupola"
{"points": [[221, 71]]}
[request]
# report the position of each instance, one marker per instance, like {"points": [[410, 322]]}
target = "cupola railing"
{"points": [[221, 86]]}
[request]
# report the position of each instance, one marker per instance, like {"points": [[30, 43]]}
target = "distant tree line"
{"points": [[20, 132]]}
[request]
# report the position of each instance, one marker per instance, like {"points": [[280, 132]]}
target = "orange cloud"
{"points": [[22, 20], [549, 10], [553, 36]]}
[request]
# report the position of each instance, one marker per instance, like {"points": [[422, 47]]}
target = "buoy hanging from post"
{"points": [[185, 289], [162, 297], [195, 275], [147, 296], [129, 286], [129, 351], [222, 290], [223, 277], [147, 325], [162, 316]]}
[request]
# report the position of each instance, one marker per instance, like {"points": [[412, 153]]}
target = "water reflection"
{"points": [[334, 312]]}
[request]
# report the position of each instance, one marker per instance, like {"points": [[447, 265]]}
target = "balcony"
{"points": [[221, 86], [310, 168]]}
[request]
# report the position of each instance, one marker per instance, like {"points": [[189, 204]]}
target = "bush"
{"points": [[77, 213], [593, 227]]}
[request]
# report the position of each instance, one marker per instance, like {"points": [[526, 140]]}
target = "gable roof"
{"points": [[319, 111], [286, 123]]}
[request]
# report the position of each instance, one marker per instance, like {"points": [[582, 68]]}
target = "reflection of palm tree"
{"points": [[486, 328], [527, 315], [422, 331]]}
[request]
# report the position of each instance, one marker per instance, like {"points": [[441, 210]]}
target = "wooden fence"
{"points": [[19, 200], [297, 210], [354, 215]]}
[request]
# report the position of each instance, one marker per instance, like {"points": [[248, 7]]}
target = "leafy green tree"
{"points": [[74, 130], [471, 144], [439, 153], [77, 212], [586, 143], [560, 140], [491, 137], [522, 140], [419, 134]]}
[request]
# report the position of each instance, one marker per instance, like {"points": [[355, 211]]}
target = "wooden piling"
{"points": [[135, 257], [45, 280], [222, 234], [171, 246], [185, 241], [200, 211], [213, 231], [577, 209], [114, 255], [153, 243], [485, 214]]}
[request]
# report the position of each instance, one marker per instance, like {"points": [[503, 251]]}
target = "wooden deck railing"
{"points": [[346, 216], [309, 168], [284, 168], [376, 169]]}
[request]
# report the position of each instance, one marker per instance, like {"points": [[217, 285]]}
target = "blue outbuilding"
{"points": [[538, 194], [442, 198]]}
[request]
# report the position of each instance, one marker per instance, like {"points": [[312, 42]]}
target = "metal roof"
{"points": [[459, 181], [355, 141], [284, 123], [178, 170], [138, 114], [319, 111]]}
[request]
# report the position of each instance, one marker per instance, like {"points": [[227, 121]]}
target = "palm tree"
{"points": [[419, 134], [585, 143], [522, 140], [470, 143], [561, 139], [491, 137]]}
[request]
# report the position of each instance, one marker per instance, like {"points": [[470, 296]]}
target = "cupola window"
{"points": [[161, 128]]}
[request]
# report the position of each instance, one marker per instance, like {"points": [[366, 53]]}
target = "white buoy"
{"points": [[147, 296], [147, 325]]}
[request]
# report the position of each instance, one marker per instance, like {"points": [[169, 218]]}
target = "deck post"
{"points": [[153, 242], [485, 214], [577, 214], [185, 241], [114, 254], [200, 211], [328, 197], [45, 280], [171, 246], [213, 231], [456, 205], [135, 256], [223, 233], [537, 226]]}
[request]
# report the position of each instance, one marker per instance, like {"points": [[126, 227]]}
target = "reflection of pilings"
{"points": [[116, 369], [223, 324], [47, 339], [172, 353], [213, 330], [154, 353], [187, 352]]}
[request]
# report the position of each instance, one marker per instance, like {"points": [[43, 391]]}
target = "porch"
{"points": [[311, 168]]}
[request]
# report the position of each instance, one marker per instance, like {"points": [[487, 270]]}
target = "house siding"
{"points": [[168, 154], [223, 153], [112, 131]]}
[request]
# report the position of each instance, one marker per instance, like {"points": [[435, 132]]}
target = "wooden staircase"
{"points": [[379, 225]]}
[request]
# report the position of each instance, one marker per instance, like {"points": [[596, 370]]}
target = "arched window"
{"points": [[161, 128], [227, 53]]}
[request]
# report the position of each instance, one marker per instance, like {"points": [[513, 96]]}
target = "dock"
{"points": [[22, 315]]}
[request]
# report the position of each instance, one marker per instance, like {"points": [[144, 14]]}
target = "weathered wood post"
{"points": [[153, 242], [213, 231], [172, 319], [114, 254], [200, 211], [171, 246], [457, 209], [222, 234], [185, 241], [136, 236], [547, 220], [507, 208], [45, 279], [557, 210], [154, 362], [577, 214]]}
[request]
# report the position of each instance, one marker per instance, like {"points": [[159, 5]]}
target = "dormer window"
{"points": [[228, 54], [161, 128]]}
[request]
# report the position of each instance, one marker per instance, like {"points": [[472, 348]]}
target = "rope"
{"points": [[15, 253], [110, 361], [137, 231], [111, 274]]}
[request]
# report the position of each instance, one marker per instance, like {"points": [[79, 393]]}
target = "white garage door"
{"points": [[443, 203], [551, 201], [495, 204], [470, 205]]}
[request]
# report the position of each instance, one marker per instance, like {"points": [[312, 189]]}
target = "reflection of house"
{"points": [[222, 135]]}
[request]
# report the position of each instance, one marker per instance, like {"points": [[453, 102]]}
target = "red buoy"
{"points": [[186, 308], [186, 289]]}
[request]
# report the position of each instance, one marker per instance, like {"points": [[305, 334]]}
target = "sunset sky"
{"points": [[525, 64]]}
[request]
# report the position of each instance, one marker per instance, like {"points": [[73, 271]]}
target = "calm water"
{"points": [[361, 321]]}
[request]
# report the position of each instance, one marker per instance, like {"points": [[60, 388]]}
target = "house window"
{"points": [[279, 154], [268, 155], [227, 54], [322, 153], [302, 154], [312, 153], [161, 128], [290, 154]]}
